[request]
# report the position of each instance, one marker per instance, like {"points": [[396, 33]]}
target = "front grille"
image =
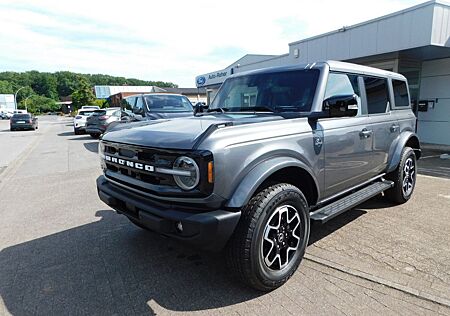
{"points": [[153, 182]]}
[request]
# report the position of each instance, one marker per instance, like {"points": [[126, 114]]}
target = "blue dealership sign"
{"points": [[201, 81]]}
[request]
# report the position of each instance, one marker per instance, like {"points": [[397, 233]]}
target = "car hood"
{"points": [[178, 133]]}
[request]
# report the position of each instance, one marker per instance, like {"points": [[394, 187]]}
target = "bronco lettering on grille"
{"points": [[131, 164]]}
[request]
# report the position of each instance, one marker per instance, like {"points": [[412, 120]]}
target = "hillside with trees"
{"points": [[41, 90]]}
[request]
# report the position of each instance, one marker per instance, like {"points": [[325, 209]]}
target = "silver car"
{"points": [[277, 149]]}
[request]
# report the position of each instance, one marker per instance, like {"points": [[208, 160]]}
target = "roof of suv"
{"points": [[333, 65]]}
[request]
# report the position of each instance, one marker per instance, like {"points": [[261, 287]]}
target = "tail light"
{"points": [[30, 121], [78, 117], [103, 117]]}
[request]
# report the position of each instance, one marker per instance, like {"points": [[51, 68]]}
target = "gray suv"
{"points": [[277, 149]]}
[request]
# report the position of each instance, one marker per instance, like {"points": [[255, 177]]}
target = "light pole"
{"points": [[26, 108], [15, 97]]}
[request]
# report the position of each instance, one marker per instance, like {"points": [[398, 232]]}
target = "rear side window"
{"points": [[400, 93], [377, 95], [128, 103]]}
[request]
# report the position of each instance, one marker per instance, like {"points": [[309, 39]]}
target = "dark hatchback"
{"points": [[23, 121]]}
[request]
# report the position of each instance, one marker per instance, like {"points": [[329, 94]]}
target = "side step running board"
{"points": [[329, 211]]}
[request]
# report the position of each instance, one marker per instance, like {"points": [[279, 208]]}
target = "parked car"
{"points": [[98, 121], [277, 148], [23, 121], [158, 106], [3, 116], [90, 107], [79, 122], [20, 111]]}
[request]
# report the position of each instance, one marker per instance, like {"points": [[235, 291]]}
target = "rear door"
{"points": [[347, 140], [382, 122]]}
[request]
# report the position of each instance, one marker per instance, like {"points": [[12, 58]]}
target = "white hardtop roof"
{"points": [[333, 65], [365, 70]]}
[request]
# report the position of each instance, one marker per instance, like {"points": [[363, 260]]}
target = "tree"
{"points": [[83, 95], [39, 104], [6, 87], [66, 83]]}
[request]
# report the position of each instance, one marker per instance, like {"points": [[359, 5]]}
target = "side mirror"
{"points": [[200, 108], [341, 105]]}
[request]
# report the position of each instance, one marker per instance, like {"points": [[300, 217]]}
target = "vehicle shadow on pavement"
{"points": [[71, 133], [112, 267], [92, 146], [320, 231]]}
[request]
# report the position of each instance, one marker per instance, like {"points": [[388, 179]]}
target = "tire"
{"points": [[12, 129], [405, 173], [76, 132], [251, 251], [95, 136]]}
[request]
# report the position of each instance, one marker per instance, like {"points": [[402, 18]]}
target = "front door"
{"points": [[347, 140]]}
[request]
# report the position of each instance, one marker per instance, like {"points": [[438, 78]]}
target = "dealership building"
{"points": [[414, 42]]}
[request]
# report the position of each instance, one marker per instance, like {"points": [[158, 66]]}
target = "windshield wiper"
{"points": [[260, 108], [221, 110]]}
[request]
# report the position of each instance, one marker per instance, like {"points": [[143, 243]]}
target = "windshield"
{"points": [[85, 113], [168, 103], [289, 91]]}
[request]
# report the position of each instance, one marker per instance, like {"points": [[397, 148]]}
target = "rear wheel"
{"points": [[76, 132], [271, 237], [404, 178]]}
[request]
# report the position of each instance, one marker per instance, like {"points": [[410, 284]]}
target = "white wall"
{"points": [[434, 125]]}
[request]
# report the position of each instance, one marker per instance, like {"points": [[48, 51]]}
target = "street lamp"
{"points": [[26, 108], [15, 97]]}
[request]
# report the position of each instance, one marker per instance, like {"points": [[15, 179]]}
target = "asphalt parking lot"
{"points": [[63, 252]]}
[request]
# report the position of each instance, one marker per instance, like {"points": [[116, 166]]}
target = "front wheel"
{"points": [[271, 237], [404, 178]]}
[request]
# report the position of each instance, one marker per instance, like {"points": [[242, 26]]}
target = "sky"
{"points": [[165, 40]]}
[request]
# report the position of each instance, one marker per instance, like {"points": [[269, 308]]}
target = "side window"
{"points": [[139, 107], [377, 95], [343, 84], [116, 113], [128, 103], [400, 93]]}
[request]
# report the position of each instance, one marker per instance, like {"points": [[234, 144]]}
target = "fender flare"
{"points": [[396, 149], [257, 175]]}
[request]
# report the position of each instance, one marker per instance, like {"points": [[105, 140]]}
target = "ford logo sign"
{"points": [[201, 81]]}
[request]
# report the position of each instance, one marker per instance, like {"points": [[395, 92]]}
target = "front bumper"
{"points": [[209, 230]]}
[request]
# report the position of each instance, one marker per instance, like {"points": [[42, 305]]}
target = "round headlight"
{"points": [[189, 174]]}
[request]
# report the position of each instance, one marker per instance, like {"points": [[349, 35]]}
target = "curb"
{"points": [[372, 278]]}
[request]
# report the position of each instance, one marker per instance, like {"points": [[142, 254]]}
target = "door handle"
{"points": [[365, 133], [395, 128]]}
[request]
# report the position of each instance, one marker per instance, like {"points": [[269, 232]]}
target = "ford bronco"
{"points": [[276, 149]]}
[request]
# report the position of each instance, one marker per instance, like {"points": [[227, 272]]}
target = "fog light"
{"points": [[179, 227]]}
